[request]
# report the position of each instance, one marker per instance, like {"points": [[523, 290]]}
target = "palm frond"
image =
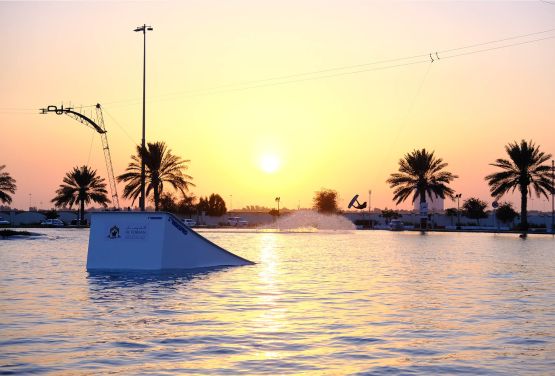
{"points": [[421, 173], [81, 184], [162, 168]]}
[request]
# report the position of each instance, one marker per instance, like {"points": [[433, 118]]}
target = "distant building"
{"points": [[434, 205]]}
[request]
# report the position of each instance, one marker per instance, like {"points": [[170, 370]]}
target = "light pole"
{"points": [[458, 197], [142, 200], [369, 201]]}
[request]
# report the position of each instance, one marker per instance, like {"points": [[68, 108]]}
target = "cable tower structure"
{"points": [[98, 125]]}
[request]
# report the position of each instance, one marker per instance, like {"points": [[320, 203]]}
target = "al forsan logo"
{"points": [[114, 232]]}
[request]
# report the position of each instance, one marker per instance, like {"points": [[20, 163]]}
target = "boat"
{"points": [[396, 225], [129, 240]]}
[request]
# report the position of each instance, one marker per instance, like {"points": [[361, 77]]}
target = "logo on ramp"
{"points": [[114, 232]]}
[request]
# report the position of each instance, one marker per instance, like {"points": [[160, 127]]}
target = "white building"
{"points": [[434, 205]]}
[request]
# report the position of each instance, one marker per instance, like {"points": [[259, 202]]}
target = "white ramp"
{"points": [[151, 241]]}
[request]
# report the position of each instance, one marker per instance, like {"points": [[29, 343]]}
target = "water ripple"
{"points": [[360, 303]]}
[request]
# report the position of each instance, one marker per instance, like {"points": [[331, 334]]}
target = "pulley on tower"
{"points": [[98, 126]]}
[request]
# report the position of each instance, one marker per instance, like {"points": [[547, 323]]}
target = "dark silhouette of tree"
{"points": [[167, 203], [7, 185], [325, 201], [389, 214], [505, 213], [203, 205], [162, 167], [420, 174], [451, 213], [187, 205], [216, 205], [51, 214], [474, 208], [81, 186], [525, 171]]}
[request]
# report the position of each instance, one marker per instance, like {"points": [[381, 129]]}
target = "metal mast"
{"points": [[142, 200], [107, 157], [101, 129]]}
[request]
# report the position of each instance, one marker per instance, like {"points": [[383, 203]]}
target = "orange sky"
{"points": [[344, 132]]}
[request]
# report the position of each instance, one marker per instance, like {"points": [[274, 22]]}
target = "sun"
{"points": [[269, 163]]}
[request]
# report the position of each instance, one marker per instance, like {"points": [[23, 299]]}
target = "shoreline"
{"points": [[20, 231], [485, 231]]}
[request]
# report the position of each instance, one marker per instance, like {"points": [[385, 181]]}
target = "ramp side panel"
{"points": [[184, 248], [123, 240]]}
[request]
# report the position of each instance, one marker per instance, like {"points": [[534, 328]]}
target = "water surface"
{"points": [[358, 302]]}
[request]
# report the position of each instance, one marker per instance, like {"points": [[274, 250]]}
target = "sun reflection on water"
{"points": [[271, 318]]}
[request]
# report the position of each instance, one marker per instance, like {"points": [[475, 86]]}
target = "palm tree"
{"points": [[524, 169], [82, 185], [7, 185], [420, 173], [161, 167]]}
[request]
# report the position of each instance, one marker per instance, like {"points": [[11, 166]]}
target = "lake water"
{"points": [[358, 302]]}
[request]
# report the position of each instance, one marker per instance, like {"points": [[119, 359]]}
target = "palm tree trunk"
{"points": [[156, 198], [82, 212], [423, 219], [524, 208]]}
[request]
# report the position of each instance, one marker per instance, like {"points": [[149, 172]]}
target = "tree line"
{"points": [[421, 175], [472, 208], [213, 205]]}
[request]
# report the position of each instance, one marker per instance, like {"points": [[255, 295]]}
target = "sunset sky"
{"points": [[226, 89]]}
